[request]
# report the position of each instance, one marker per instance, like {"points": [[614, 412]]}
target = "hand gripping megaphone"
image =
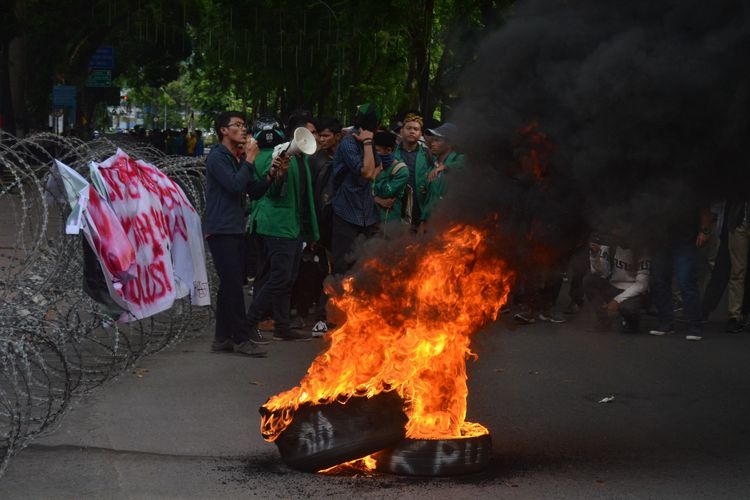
{"points": [[303, 142]]}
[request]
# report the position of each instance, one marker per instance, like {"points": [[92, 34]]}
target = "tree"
{"points": [[263, 56], [52, 42]]}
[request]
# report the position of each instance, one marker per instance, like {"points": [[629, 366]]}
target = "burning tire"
{"points": [[320, 437], [436, 457]]}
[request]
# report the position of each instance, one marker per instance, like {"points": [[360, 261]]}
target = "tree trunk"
{"points": [[17, 86], [422, 54], [7, 121]]}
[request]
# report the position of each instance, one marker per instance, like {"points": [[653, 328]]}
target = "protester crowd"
{"points": [[182, 142], [178, 142], [284, 220]]}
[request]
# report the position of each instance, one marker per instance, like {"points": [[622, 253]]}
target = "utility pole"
{"points": [[165, 106]]}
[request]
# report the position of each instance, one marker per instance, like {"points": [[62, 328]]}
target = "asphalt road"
{"points": [[184, 424]]}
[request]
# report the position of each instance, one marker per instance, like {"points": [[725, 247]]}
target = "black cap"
{"points": [[446, 130]]}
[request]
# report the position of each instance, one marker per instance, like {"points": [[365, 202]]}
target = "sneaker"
{"points": [[319, 329], [292, 336], [662, 330], [297, 323], [226, 345], [552, 316], [257, 338], [573, 308], [734, 325], [693, 336], [250, 348], [524, 317]]}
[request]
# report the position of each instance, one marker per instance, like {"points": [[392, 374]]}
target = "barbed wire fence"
{"points": [[56, 344]]}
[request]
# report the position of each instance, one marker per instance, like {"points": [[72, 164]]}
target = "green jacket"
{"points": [[422, 168], [454, 162], [281, 212], [390, 185]]}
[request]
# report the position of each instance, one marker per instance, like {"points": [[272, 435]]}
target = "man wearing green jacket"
{"points": [[388, 187], [282, 220], [419, 161], [441, 140]]}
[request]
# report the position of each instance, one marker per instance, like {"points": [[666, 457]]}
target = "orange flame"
{"points": [[534, 149], [410, 335]]}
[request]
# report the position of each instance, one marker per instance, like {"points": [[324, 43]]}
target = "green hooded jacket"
{"points": [[453, 162], [281, 212], [390, 185], [422, 186]]}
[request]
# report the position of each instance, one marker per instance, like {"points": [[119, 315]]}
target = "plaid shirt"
{"points": [[353, 200]]}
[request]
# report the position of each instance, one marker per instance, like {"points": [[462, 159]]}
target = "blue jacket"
{"points": [[228, 181]]}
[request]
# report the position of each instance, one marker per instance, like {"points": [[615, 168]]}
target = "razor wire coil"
{"points": [[56, 343]]}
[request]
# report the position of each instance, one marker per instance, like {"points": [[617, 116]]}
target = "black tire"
{"points": [[436, 457], [320, 437]]}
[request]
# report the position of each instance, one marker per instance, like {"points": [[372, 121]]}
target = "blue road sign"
{"points": [[103, 58]]}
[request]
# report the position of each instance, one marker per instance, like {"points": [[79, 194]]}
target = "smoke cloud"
{"points": [[646, 105]]}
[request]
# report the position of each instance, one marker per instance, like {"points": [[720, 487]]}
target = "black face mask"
{"points": [[385, 159]]}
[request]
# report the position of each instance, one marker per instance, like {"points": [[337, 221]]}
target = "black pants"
{"points": [[308, 287], [231, 322], [579, 268], [600, 292], [250, 255], [279, 263], [343, 237]]}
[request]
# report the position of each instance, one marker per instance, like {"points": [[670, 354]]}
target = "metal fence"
{"points": [[55, 342]]}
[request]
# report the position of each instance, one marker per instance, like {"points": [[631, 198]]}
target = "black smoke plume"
{"points": [[646, 105]]}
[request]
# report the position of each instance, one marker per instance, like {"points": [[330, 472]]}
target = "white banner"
{"points": [[145, 233]]}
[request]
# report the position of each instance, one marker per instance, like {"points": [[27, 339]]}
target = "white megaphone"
{"points": [[303, 142]]}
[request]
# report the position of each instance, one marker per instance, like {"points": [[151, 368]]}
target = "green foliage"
{"points": [[266, 56]]}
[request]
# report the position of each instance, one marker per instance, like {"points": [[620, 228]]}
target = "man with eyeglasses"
{"points": [[229, 180]]}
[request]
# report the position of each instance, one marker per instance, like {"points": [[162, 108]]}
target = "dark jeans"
{"points": [[308, 287], [684, 258], [250, 255], [579, 268], [539, 291], [231, 322], [320, 307], [279, 263], [343, 237], [600, 292]]}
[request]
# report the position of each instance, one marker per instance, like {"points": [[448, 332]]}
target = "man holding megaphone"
{"points": [[281, 221], [230, 176]]}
